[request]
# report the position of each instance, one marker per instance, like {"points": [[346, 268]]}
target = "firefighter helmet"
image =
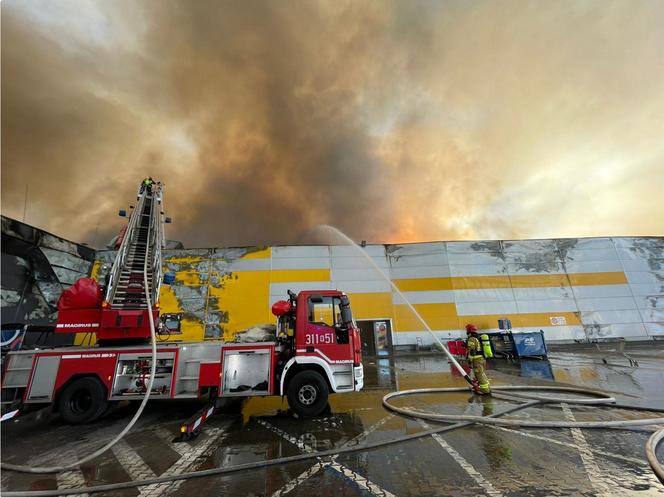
{"points": [[471, 328]]}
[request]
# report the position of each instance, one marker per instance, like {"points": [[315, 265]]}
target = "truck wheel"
{"points": [[83, 400], [307, 393]]}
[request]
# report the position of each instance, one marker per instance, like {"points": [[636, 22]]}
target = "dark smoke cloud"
{"points": [[395, 121]]}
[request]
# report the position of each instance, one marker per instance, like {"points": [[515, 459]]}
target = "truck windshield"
{"points": [[329, 311]]}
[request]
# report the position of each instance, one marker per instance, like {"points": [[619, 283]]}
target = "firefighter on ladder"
{"points": [[146, 184], [476, 355]]}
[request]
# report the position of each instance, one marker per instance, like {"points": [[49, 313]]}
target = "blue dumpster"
{"points": [[529, 344]]}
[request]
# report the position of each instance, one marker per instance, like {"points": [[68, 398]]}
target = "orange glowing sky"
{"points": [[395, 121]]}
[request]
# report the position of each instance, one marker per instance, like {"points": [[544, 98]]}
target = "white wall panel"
{"points": [[358, 263], [301, 263], [532, 257], [536, 268], [563, 333], [633, 242], [355, 274], [475, 258], [473, 247], [652, 315], [590, 291], [368, 286], [477, 270], [593, 243], [639, 277], [297, 286], [647, 289], [629, 331], [475, 308], [594, 267], [404, 273], [606, 304], [421, 260], [418, 248], [297, 252], [350, 251], [654, 329], [611, 317], [531, 306], [637, 265], [651, 302], [430, 297], [542, 293], [607, 254], [529, 246], [483, 295]]}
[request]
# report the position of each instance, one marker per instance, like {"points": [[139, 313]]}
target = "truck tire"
{"points": [[83, 400], [307, 393]]}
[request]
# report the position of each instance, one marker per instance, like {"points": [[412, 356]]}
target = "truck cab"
{"points": [[321, 351]]}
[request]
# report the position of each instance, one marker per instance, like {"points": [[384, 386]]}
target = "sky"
{"points": [[394, 121]]}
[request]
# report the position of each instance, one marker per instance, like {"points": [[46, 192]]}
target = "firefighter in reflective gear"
{"points": [[476, 359], [146, 184]]}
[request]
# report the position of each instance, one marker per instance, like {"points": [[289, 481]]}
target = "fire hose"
{"points": [[515, 393]]}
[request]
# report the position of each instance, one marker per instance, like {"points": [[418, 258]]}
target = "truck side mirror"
{"points": [[122, 213], [168, 220]]}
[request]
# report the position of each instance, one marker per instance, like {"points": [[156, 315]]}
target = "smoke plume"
{"points": [[395, 121]]}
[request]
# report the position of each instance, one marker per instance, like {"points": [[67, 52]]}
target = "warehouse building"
{"points": [[573, 289]]}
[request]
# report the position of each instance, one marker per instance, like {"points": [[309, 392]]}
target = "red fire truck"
{"points": [[314, 350]]}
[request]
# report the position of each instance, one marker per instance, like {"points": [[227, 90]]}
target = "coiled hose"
{"points": [[651, 453]]}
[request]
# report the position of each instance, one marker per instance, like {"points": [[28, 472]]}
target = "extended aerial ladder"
{"points": [[120, 310], [142, 240]]}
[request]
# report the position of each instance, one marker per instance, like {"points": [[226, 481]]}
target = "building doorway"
{"points": [[376, 336]]}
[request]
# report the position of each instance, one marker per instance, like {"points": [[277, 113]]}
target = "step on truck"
{"points": [[313, 350]]}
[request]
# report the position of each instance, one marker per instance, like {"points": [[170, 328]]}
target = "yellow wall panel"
{"points": [[437, 316], [371, 305], [538, 280], [244, 298], [295, 275], [480, 282], [423, 284], [616, 278]]}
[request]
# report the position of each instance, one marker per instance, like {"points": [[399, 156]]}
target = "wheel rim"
{"points": [[80, 402], [307, 395]]}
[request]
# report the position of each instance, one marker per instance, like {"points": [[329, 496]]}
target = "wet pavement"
{"points": [[469, 461]]}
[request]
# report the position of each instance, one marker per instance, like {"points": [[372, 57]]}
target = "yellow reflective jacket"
{"points": [[474, 347]]}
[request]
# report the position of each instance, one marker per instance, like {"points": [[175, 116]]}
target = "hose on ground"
{"points": [[132, 422], [599, 399], [651, 453]]}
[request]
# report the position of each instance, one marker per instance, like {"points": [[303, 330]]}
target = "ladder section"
{"points": [[130, 292]]}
